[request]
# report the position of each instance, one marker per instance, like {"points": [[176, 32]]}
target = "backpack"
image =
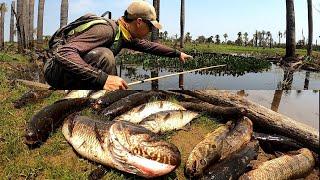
{"points": [[76, 27]]}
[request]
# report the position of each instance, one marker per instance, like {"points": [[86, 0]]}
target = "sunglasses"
{"points": [[150, 25]]}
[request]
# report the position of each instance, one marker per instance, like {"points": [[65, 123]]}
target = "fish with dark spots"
{"points": [[30, 97], [48, 119], [234, 166], [285, 167], [110, 98], [121, 145], [131, 101], [137, 114], [168, 120], [218, 145], [272, 143], [212, 110]]}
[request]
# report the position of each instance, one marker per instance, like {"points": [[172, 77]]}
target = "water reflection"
{"points": [[240, 73], [270, 79], [301, 105], [276, 100], [306, 81]]}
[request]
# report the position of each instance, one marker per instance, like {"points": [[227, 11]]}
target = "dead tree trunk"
{"points": [[155, 31], [182, 23], [310, 25], [26, 22], [264, 119], [31, 21], [3, 10], [13, 6], [291, 31], [40, 22], [19, 25], [64, 13]]}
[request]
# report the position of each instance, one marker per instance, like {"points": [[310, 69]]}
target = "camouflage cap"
{"points": [[144, 10]]}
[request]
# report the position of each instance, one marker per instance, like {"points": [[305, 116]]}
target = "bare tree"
{"points": [[19, 25], [64, 13], [31, 21], [310, 25], [40, 21], [26, 22], [155, 31], [13, 6], [291, 30], [182, 23], [3, 11]]}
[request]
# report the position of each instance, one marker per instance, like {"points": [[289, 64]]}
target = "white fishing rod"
{"points": [[175, 74]]}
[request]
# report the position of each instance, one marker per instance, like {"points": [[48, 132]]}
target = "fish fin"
{"points": [[99, 173], [98, 135], [278, 154], [186, 127], [71, 123]]}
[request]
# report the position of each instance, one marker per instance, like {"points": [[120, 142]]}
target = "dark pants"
{"points": [[60, 77]]}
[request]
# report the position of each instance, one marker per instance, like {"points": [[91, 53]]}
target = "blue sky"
{"points": [[203, 17]]}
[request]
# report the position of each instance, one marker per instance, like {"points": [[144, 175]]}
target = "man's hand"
{"points": [[115, 83], [184, 57]]}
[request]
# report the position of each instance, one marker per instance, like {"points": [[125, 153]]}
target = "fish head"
{"points": [[141, 152]]}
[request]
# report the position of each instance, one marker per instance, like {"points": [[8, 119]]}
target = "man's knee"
{"points": [[102, 58]]}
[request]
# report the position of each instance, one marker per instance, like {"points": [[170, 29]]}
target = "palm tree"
{"points": [[280, 36], [256, 38], [245, 38], [182, 23], [225, 37], [291, 30], [188, 37], [217, 39], [13, 6], [269, 37], [3, 11], [31, 20], [40, 21], [165, 35], [310, 24], [64, 13]]}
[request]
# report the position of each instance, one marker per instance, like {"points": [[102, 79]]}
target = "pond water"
{"points": [[268, 79], [302, 106]]}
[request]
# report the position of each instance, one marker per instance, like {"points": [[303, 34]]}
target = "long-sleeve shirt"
{"points": [[103, 35]]}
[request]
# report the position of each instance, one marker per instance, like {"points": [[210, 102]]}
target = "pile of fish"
{"points": [[130, 139]]}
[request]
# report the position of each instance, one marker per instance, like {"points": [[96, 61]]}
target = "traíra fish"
{"points": [[137, 114], [168, 120], [284, 167], [121, 145]]}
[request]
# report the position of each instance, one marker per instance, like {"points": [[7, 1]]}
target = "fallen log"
{"points": [[264, 119]]}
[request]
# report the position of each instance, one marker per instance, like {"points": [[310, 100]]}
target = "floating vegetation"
{"points": [[236, 65]]}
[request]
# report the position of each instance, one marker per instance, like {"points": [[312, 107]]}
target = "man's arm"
{"points": [[143, 45]]}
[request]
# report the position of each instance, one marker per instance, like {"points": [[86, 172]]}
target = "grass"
{"points": [[248, 50], [55, 159]]}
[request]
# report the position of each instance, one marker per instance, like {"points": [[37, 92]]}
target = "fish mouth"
{"points": [[139, 151]]}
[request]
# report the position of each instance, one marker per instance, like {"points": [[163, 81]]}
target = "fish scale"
{"points": [[218, 145], [137, 114], [168, 120], [112, 143], [284, 167]]}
